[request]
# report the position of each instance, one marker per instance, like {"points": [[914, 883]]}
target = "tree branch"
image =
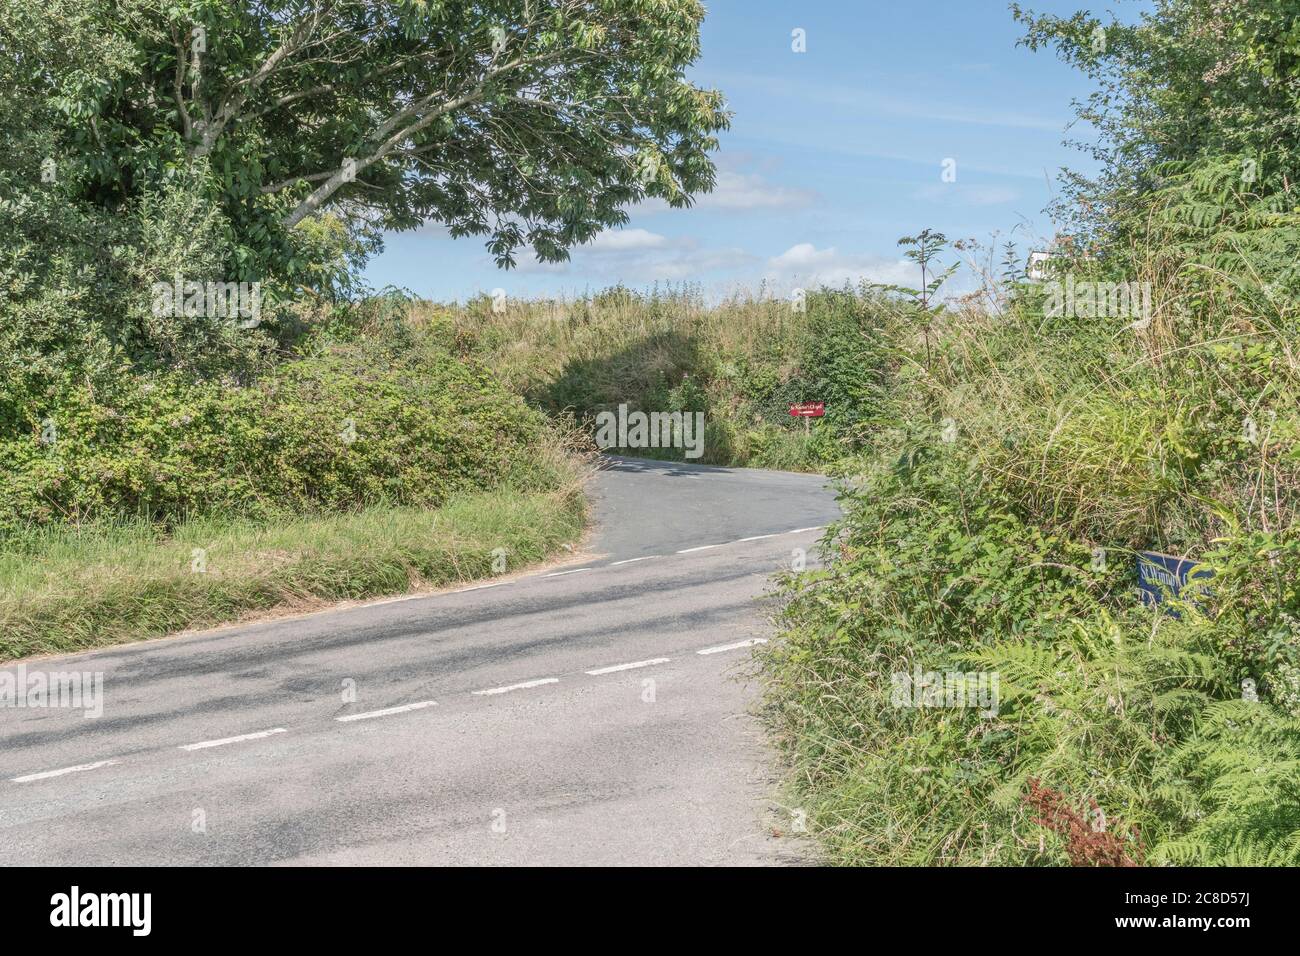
{"points": [[187, 125], [312, 203], [232, 106]]}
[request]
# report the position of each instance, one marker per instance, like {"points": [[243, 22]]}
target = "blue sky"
{"points": [[833, 154]]}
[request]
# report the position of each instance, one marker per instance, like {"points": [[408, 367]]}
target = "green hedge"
{"points": [[162, 447]]}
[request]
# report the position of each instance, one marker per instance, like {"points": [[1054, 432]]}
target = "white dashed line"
{"points": [[404, 708], [204, 744], [524, 686], [420, 705], [733, 647], [480, 587], [59, 773], [627, 667]]}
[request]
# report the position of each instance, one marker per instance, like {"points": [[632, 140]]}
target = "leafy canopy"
{"points": [[529, 122], [1186, 82]]}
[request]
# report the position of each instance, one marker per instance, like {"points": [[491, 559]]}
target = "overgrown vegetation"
{"points": [[741, 362], [371, 462], [993, 528], [384, 416], [192, 144]]}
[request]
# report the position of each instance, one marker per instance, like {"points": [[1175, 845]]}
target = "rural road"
{"points": [[594, 716]]}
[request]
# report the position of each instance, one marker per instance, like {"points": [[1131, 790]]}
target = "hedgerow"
{"points": [[355, 425], [742, 362], [994, 530]]}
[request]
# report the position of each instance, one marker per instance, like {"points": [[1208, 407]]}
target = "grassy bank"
{"points": [[990, 533], [70, 590], [741, 362], [368, 460]]}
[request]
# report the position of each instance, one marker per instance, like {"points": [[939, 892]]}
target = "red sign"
{"points": [[808, 409]]}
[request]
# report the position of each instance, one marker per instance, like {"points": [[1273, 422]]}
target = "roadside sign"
{"points": [[808, 409], [1164, 576], [1039, 267]]}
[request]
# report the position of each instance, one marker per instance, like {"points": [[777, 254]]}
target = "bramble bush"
{"points": [[358, 424]]}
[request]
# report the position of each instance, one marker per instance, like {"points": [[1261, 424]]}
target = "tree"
{"points": [[531, 122], [1186, 82]]}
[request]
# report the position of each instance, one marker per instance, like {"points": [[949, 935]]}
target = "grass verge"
{"points": [[75, 589]]}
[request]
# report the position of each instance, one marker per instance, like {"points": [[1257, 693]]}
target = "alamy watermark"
{"points": [[1088, 299], [212, 300], [623, 429], [953, 689], [75, 690], [130, 910]]}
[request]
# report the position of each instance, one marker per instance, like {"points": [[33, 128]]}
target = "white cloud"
{"points": [[639, 255], [635, 256], [530, 265], [740, 192], [690, 263], [619, 240], [806, 266]]}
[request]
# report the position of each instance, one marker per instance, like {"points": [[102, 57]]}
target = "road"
{"points": [[594, 714]]}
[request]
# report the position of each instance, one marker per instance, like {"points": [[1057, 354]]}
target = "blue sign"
{"points": [[1163, 576]]}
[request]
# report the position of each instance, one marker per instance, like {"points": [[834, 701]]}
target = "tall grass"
{"points": [[992, 529], [742, 362], [623, 338]]}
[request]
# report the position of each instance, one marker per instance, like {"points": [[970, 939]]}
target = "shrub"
{"points": [[355, 425], [1024, 444], [1101, 699]]}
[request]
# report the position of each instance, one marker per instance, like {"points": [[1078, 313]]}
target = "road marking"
{"points": [[733, 647], [632, 560], [703, 547], [556, 574], [627, 667], [59, 773], [524, 686], [204, 744], [480, 587], [388, 710], [757, 537], [820, 527]]}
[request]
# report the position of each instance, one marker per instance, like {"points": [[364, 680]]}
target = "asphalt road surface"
{"points": [[598, 713]]}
